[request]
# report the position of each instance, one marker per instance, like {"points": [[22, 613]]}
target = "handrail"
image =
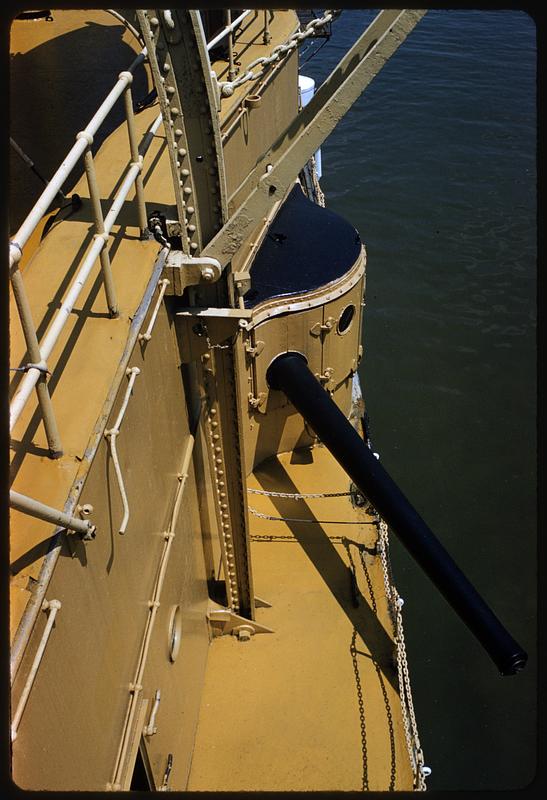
{"points": [[39, 589], [53, 607], [228, 29], [30, 379], [50, 192], [37, 369]]}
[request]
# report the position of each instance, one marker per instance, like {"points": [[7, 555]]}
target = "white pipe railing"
{"points": [[20, 502], [111, 435], [37, 369], [26, 625], [136, 686], [53, 607], [228, 29], [75, 153], [145, 337], [29, 381]]}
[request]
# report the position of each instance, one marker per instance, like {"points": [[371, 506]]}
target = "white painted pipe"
{"points": [[54, 186], [27, 505], [53, 606], [111, 434], [44, 201], [145, 337], [228, 29], [153, 604], [29, 381], [34, 604]]}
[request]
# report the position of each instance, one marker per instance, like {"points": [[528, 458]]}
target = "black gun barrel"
{"points": [[289, 373]]}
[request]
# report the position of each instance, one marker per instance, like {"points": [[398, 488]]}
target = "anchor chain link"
{"points": [[227, 88]]}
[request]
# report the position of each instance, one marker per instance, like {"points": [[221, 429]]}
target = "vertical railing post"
{"points": [[135, 157], [33, 348], [95, 197], [231, 66], [266, 36]]}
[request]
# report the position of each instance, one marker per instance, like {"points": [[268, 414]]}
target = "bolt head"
{"points": [[208, 274], [244, 633]]}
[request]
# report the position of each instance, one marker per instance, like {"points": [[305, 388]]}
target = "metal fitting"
{"points": [[16, 253], [85, 510], [169, 21], [85, 135], [208, 274]]}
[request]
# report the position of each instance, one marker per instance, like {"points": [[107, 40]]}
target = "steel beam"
{"points": [[279, 167], [181, 71]]}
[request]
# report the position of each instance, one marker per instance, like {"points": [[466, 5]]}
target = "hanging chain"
{"points": [[260, 515], [280, 51], [202, 330], [272, 537], [354, 651], [395, 604], [320, 197], [380, 677], [360, 701], [297, 496]]}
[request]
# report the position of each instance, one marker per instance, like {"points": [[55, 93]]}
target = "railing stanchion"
{"points": [[33, 348], [95, 196], [231, 66], [266, 36], [136, 159]]}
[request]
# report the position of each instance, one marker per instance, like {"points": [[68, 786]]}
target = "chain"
{"points": [[395, 604], [271, 537], [360, 701], [297, 496], [315, 180], [313, 521], [202, 330], [389, 725], [280, 51], [380, 678]]}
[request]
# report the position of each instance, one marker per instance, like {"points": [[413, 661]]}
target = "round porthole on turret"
{"points": [[175, 632], [345, 319]]}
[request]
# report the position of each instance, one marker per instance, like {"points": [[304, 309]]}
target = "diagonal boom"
{"points": [[311, 127]]}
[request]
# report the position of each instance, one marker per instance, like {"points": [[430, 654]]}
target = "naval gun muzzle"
{"points": [[289, 373]]}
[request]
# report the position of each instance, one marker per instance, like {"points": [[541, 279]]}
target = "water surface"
{"points": [[435, 166]]}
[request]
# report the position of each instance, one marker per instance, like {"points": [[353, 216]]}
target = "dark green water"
{"points": [[436, 167]]}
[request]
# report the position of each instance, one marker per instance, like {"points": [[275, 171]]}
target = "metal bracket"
{"points": [[242, 282], [182, 270], [326, 376], [322, 327], [224, 620], [200, 329], [255, 351], [151, 728], [256, 402]]}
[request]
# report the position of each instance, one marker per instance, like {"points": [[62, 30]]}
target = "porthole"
{"points": [[175, 632], [345, 319]]}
